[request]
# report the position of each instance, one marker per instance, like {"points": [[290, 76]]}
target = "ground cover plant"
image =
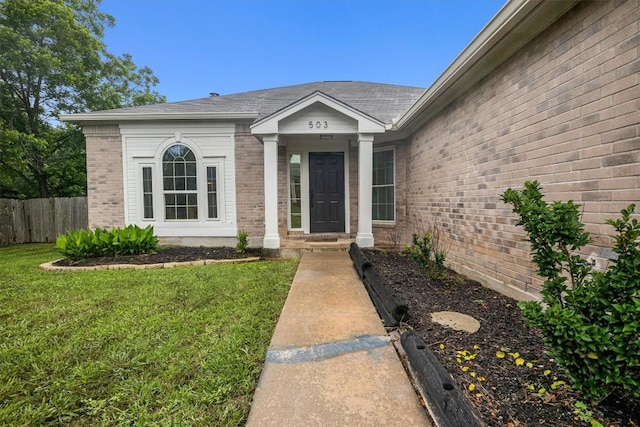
{"points": [[504, 368], [181, 346]]}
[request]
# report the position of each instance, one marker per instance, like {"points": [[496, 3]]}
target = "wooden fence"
{"points": [[40, 220]]}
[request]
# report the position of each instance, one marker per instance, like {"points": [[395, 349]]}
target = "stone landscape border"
{"points": [[49, 266]]}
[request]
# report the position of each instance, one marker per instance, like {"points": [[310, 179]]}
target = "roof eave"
{"points": [[517, 23], [82, 118]]}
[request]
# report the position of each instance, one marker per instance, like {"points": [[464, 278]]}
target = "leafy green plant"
{"points": [[590, 319], [425, 250], [243, 242], [87, 243], [420, 248], [584, 414]]}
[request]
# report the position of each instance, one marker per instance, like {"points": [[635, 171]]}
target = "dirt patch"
{"points": [[522, 388], [165, 254]]}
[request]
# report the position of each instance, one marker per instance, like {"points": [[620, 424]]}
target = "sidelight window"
{"points": [[295, 195]]}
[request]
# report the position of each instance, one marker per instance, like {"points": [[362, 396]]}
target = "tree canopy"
{"points": [[53, 60]]}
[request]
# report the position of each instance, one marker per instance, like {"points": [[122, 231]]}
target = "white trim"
{"points": [[213, 144], [126, 117], [303, 147], [269, 124], [140, 164], [364, 237], [220, 200], [271, 236], [289, 227]]}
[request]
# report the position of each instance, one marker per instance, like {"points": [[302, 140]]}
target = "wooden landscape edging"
{"points": [[446, 403], [388, 308]]}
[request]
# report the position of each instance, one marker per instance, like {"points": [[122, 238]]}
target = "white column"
{"points": [[364, 238], [271, 236]]}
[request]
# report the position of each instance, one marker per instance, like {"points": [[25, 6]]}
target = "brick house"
{"points": [[549, 90]]}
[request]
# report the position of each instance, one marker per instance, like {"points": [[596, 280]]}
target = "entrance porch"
{"points": [[322, 151]]}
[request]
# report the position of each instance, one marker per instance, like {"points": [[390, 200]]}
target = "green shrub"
{"points": [[243, 242], [87, 243], [425, 250], [590, 319], [420, 248]]}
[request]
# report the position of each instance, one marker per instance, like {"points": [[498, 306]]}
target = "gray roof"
{"points": [[380, 101]]}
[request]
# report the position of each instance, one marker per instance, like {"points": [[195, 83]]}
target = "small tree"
{"points": [[590, 319]]}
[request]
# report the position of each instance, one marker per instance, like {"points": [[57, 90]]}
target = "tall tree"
{"points": [[53, 60]]}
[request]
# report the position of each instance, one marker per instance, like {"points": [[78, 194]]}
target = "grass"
{"points": [[182, 346]]}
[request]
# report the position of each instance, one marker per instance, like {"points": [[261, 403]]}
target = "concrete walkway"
{"points": [[330, 362]]}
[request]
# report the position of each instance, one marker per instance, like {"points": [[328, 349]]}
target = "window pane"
{"points": [[179, 178], [179, 169], [191, 184], [168, 183], [180, 184], [295, 196], [212, 192], [147, 193], [383, 197]]}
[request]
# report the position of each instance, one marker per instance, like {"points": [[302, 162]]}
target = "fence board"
{"points": [[40, 220]]}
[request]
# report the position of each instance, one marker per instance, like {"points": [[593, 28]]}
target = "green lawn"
{"points": [[182, 346]]}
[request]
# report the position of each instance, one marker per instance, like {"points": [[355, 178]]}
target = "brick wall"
{"points": [[249, 153], [105, 186], [564, 111]]}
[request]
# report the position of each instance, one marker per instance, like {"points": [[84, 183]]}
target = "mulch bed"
{"points": [[505, 393], [165, 254]]}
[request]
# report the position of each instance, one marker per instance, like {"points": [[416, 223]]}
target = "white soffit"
{"points": [[270, 124], [517, 23], [84, 118]]}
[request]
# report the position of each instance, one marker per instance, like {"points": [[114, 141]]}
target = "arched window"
{"points": [[180, 181]]}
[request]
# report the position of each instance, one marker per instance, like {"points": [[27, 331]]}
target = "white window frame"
{"points": [[203, 188], [381, 221], [289, 226], [140, 190]]}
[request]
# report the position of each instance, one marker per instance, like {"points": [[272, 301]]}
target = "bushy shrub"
{"points": [[87, 243], [243, 242], [590, 319], [425, 250], [420, 248]]}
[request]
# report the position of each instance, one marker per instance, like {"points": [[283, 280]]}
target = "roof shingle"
{"points": [[380, 101]]}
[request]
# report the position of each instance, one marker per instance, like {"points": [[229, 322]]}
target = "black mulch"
{"points": [[506, 394], [165, 254]]}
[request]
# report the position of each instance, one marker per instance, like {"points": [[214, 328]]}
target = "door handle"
{"points": [[311, 197]]}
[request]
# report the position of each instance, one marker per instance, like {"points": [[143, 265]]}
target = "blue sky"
{"points": [[229, 46]]}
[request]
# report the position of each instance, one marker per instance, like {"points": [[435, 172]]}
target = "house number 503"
{"points": [[318, 124]]}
